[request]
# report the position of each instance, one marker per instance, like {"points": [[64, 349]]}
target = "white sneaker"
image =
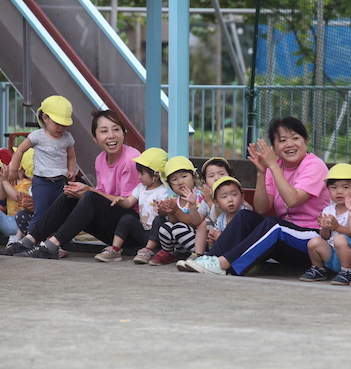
{"points": [[205, 264], [109, 254], [181, 264]]}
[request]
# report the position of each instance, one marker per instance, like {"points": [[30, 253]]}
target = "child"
{"points": [[228, 196], [211, 171], [13, 194], [150, 166], [332, 249], [54, 156], [174, 234]]}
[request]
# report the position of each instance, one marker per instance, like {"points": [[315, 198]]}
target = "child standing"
{"points": [[332, 249], [54, 156], [150, 166], [175, 235]]}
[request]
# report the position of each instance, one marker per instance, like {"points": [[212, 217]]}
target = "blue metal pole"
{"points": [[178, 72], [153, 73]]}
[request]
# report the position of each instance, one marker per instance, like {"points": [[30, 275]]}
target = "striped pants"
{"points": [[250, 238], [177, 237]]}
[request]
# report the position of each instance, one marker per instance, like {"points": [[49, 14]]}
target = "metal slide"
{"points": [[68, 48]]}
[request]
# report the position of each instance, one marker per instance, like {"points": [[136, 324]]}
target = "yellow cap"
{"points": [[339, 171], [58, 108], [178, 163], [222, 180], [209, 161], [27, 161], [153, 158]]}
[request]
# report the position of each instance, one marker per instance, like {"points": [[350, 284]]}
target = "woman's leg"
{"points": [[236, 231], [276, 238]]}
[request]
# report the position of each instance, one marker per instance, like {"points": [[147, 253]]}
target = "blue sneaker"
{"points": [[205, 264], [343, 278], [314, 274]]}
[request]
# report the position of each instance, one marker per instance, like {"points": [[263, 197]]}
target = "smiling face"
{"points": [[179, 180], [228, 197], [290, 147], [110, 137]]}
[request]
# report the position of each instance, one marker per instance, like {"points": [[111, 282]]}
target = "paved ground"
{"points": [[80, 313]]}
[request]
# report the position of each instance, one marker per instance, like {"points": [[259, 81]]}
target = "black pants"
{"points": [[92, 213]]}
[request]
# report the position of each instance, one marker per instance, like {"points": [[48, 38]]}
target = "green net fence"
{"points": [[303, 68]]}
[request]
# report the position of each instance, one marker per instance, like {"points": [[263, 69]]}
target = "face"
{"points": [[339, 190], [228, 198], [109, 136], [180, 180], [290, 147], [54, 130], [145, 178], [214, 172]]}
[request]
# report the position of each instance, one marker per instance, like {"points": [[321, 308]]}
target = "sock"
{"points": [[346, 269], [26, 242], [52, 248], [117, 249]]}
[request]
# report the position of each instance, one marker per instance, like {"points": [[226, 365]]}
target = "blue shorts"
{"points": [[334, 263]]}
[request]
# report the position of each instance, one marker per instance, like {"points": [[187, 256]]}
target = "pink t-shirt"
{"points": [[120, 178], [308, 176]]}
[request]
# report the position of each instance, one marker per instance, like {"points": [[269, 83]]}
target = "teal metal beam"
{"points": [[178, 76], [153, 73]]}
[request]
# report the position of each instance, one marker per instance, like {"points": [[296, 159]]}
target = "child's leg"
{"points": [[153, 235], [166, 238], [319, 251], [200, 238], [185, 236], [343, 250]]}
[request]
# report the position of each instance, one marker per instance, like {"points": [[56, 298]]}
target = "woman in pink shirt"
{"points": [[294, 186], [82, 207]]}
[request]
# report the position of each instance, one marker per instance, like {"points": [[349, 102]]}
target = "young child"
{"points": [[13, 194], [228, 196], [150, 165], [332, 249], [175, 235], [211, 171], [54, 156]]}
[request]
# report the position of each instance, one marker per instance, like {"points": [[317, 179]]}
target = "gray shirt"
{"points": [[50, 156]]}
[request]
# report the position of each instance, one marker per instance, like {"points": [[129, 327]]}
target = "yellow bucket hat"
{"points": [[339, 171], [153, 158], [178, 163], [58, 108], [27, 161], [222, 180]]}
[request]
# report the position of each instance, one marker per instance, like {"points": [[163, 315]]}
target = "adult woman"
{"points": [[82, 207], [294, 185]]}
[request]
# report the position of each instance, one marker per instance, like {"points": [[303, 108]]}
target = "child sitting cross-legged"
{"points": [[227, 196], [175, 235], [332, 249], [148, 194]]}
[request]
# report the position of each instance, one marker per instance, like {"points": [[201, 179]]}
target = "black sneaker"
{"points": [[39, 251], [343, 278], [314, 274], [13, 248]]}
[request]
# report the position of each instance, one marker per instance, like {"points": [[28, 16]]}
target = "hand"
{"points": [[117, 200], [70, 175], [256, 158], [348, 203], [213, 235], [75, 189], [26, 201], [189, 195], [169, 206], [328, 221], [267, 153], [206, 194]]}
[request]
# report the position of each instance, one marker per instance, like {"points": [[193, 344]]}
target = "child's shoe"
{"points": [[181, 263], [343, 278], [162, 258], [143, 256], [205, 264], [314, 274], [109, 254]]}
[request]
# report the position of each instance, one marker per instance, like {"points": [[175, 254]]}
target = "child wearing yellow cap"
{"points": [[54, 156], [148, 194], [13, 194], [332, 249], [175, 235]]}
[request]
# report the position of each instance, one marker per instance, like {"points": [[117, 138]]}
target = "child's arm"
{"points": [[71, 163], [17, 157], [124, 202]]}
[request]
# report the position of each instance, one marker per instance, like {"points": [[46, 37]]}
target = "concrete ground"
{"points": [[81, 313]]}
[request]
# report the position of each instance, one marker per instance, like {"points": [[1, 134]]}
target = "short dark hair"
{"points": [[219, 163], [290, 123], [142, 168], [332, 181], [110, 115]]}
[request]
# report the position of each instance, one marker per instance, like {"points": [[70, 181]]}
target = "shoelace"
{"points": [[33, 250]]}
